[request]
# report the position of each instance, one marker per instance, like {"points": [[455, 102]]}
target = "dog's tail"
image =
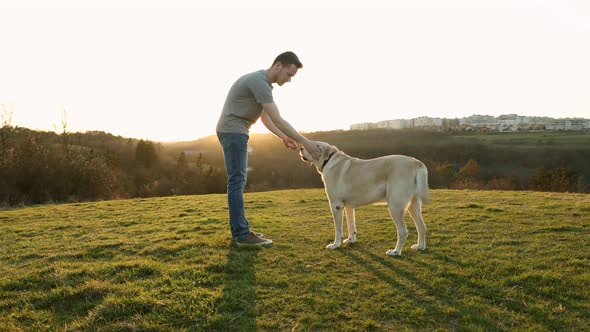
{"points": [[422, 183]]}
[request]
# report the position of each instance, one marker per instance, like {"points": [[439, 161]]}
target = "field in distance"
{"points": [[496, 260]]}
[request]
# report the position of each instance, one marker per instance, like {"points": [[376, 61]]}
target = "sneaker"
{"points": [[253, 240]]}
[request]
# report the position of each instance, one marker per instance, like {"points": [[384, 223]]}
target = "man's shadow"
{"points": [[236, 307]]}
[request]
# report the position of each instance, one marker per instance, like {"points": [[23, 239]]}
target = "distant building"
{"points": [[399, 124], [383, 124], [363, 126], [566, 124], [478, 120], [507, 127], [425, 121], [506, 122]]}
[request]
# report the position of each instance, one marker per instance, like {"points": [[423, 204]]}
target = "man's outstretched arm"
{"points": [[289, 142], [272, 111]]}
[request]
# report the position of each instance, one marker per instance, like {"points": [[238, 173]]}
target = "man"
{"points": [[249, 99]]}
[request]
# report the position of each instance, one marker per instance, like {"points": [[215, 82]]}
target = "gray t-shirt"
{"points": [[243, 105]]}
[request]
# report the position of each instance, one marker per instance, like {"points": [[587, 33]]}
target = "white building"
{"points": [[425, 121], [478, 121], [383, 124], [566, 124], [507, 122], [400, 124], [363, 126]]}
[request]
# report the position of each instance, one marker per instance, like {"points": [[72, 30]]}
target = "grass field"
{"points": [[495, 261]]}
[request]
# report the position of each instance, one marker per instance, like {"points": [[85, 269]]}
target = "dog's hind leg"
{"points": [[397, 213], [351, 225], [337, 211], [415, 210]]}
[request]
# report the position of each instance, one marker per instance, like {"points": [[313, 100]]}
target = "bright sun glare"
{"points": [[161, 71]]}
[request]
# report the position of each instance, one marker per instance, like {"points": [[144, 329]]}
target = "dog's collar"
{"points": [[326, 161]]}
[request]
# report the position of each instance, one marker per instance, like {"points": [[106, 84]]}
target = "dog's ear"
{"points": [[325, 152], [328, 150], [333, 149]]}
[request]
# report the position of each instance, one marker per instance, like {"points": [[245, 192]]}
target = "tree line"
{"points": [[39, 167]]}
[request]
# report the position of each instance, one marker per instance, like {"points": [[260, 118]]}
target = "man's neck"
{"points": [[271, 77]]}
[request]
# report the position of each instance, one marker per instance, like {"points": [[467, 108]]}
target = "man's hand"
{"points": [[313, 149], [290, 144]]}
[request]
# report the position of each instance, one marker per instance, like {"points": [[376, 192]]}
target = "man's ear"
{"points": [[277, 66]]}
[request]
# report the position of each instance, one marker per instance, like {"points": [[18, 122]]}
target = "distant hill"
{"points": [[37, 167]]}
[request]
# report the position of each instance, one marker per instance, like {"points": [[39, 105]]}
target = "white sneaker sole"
{"points": [[264, 243]]}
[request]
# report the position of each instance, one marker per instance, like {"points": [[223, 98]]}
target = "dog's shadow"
{"points": [[376, 265], [396, 272]]}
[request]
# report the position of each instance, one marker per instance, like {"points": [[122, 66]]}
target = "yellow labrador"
{"points": [[400, 181]]}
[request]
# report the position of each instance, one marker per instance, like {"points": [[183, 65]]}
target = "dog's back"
{"points": [[364, 181]]}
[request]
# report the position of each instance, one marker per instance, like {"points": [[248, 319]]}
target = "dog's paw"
{"points": [[418, 247], [349, 241], [332, 246], [392, 252]]}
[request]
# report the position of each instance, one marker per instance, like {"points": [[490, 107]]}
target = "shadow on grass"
{"points": [[533, 295], [442, 305], [458, 301], [236, 307]]}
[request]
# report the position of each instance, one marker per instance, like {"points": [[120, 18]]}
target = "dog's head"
{"points": [[326, 152]]}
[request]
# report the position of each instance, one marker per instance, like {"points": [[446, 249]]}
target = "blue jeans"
{"points": [[235, 153]]}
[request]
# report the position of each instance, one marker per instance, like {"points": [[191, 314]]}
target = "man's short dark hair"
{"points": [[288, 58]]}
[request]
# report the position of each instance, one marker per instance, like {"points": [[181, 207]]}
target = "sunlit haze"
{"points": [[161, 70]]}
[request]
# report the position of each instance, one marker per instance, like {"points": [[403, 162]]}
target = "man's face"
{"points": [[285, 74]]}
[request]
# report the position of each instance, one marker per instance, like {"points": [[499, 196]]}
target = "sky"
{"points": [[161, 70]]}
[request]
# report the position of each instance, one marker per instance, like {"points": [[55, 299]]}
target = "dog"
{"points": [[400, 181]]}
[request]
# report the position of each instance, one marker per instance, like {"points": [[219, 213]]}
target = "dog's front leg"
{"points": [[337, 208]]}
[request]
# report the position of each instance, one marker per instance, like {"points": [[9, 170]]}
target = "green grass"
{"points": [[495, 261]]}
